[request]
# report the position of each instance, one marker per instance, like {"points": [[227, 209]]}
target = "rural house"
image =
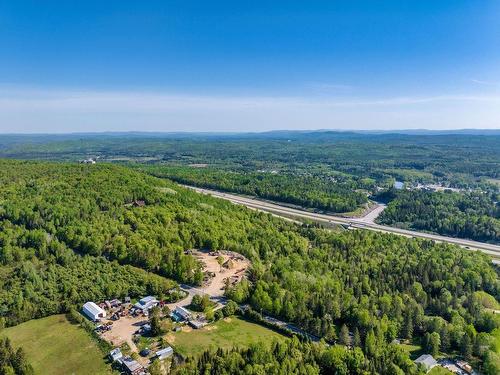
{"points": [[427, 361], [147, 303], [180, 314]]}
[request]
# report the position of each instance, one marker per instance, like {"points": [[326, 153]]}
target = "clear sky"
{"points": [[248, 65]]}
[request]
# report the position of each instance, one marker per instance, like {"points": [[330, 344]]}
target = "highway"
{"points": [[358, 223]]}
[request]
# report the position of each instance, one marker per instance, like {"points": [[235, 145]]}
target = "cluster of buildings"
{"points": [[181, 314], [127, 364], [133, 367], [118, 308], [144, 305], [458, 366]]}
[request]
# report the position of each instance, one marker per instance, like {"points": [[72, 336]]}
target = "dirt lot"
{"points": [[238, 268], [215, 286], [123, 330]]}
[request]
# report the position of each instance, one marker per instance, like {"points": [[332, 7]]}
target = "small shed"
{"points": [[115, 354], [427, 361], [197, 324], [93, 312], [164, 353]]}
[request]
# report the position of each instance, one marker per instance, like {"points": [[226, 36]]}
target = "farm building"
{"points": [[132, 367], [147, 303], [164, 353], [93, 312], [427, 361], [196, 324], [180, 314]]}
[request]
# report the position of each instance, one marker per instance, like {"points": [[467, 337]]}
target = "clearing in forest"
{"points": [[55, 346], [226, 333]]}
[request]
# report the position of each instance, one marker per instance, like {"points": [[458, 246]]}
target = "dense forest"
{"points": [[380, 287], [326, 170], [288, 357], [61, 222], [458, 159], [466, 215], [334, 194], [130, 217], [40, 276]]}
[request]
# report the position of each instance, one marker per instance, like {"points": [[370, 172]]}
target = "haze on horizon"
{"points": [[248, 66]]}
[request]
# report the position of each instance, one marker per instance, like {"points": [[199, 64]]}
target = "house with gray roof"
{"points": [[427, 361]]}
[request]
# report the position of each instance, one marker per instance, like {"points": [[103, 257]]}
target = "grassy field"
{"points": [[223, 334], [54, 346], [438, 370]]}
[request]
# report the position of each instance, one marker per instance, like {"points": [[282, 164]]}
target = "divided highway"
{"points": [[288, 212]]}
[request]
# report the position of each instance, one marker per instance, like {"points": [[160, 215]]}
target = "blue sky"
{"points": [[248, 65]]}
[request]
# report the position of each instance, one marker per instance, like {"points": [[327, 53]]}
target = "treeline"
{"points": [[124, 215], [12, 361], [334, 194], [110, 216], [294, 357], [466, 215]]}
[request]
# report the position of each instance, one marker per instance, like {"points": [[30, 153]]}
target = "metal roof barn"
{"points": [[93, 312], [164, 353]]}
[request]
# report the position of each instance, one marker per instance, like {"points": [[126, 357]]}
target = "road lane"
{"points": [[358, 223]]}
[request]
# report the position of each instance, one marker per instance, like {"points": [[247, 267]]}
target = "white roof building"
{"points": [[146, 303], [427, 361], [93, 312], [164, 353]]}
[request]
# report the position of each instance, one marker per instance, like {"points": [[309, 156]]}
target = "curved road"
{"points": [[358, 223]]}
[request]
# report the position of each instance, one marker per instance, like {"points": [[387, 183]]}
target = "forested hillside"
{"points": [[289, 357], [468, 215], [65, 221], [462, 160], [326, 170], [334, 194], [131, 217]]}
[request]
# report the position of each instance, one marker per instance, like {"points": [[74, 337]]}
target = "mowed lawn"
{"points": [[225, 334], [438, 370], [55, 346]]}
